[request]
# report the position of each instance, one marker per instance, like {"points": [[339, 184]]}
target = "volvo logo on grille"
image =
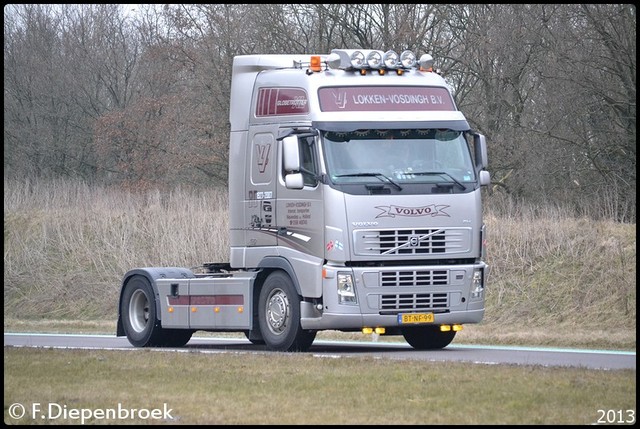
{"points": [[414, 241]]}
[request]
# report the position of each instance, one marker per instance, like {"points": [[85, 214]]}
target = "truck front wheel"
{"points": [[427, 337], [279, 315], [140, 321]]}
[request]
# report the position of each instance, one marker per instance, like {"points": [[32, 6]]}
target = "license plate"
{"points": [[410, 318]]}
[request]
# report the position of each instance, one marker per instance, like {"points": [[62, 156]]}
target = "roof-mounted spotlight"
{"points": [[391, 59], [408, 59], [357, 60], [374, 59]]}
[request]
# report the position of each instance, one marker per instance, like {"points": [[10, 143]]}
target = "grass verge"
{"points": [[237, 388]]}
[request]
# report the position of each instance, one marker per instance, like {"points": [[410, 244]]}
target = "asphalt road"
{"points": [[477, 354]]}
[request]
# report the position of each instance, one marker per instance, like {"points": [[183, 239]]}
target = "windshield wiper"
{"points": [[440, 173], [378, 175]]}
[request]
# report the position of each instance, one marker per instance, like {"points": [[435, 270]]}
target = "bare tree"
{"points": [[553, 87], [142, 98], [592, 85], [64, 67]]}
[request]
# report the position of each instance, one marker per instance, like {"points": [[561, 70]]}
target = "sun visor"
{"points": [[353, 126]]}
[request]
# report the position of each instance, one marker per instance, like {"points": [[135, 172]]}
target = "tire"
{"points": [[140, 321], [279, 315], [427, 337]]}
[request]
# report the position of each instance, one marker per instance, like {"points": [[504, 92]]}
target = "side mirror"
{"points": [[291, 154], [480, 145], [294, 181], [485, 178]]}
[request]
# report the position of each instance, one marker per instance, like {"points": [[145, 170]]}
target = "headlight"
{"points": [[346, 290], [477, 285]]}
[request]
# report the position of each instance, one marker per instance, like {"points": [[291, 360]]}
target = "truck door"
{"points": [[300, 211]]}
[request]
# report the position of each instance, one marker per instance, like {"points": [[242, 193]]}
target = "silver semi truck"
{"points": [[354, 203]]}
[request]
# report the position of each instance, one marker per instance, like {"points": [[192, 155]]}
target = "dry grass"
{"points": [[554, 278], [284, 388], [67, 245]]}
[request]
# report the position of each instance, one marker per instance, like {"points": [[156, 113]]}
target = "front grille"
{"points": [[414, 302], [415, 278], [412, 242]]}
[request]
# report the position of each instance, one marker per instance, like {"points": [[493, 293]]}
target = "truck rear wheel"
{"points": [[140, 321], [279, 315], [427, 337]]}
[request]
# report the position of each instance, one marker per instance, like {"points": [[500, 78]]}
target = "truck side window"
{"points": [[308, 162]]}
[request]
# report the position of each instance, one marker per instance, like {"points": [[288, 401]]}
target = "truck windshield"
{"points": [[404, 156]]}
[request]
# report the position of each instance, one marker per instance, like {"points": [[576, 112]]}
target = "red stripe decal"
{"points": [[206, 300]]}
